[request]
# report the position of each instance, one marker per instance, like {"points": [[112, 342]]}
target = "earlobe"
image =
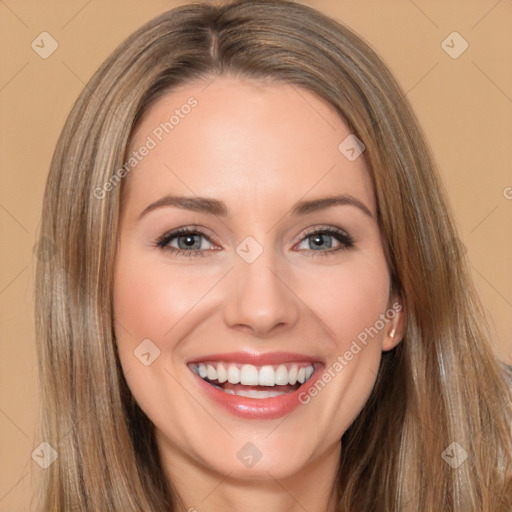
{"points": [[394, 333], [391, 339]]}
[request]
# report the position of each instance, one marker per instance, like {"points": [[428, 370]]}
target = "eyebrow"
{"points": [[218, 208]]}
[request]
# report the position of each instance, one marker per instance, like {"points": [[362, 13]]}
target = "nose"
{"points": [[259, 300]]}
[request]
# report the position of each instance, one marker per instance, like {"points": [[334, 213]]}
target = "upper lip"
{"points": [[268, 358]]}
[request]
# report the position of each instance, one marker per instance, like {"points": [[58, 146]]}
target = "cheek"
{"points": [[349, 298], [149, 299]]}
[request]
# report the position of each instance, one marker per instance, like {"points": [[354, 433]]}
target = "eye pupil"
{"points": [[189, 240], [319, 238]]}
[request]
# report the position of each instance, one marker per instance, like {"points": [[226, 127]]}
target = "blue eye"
{"points": [[190, 245], [319, 238], [187, 239]]}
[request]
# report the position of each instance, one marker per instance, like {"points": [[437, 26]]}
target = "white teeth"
{"points": [[233, 374], [292, 375], [266, 376], [211, 372], [250, 375], [281, 375], [222, 374], [253, 393]]}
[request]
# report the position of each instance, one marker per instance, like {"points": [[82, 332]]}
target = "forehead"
{"points": [[245, 142]]}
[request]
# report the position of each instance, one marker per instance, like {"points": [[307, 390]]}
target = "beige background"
{"points": [[464, 105]]}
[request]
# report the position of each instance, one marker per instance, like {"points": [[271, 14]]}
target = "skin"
{"points": [[258, 147]]}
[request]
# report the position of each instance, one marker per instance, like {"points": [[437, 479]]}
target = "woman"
{"points": [[264, 370]]}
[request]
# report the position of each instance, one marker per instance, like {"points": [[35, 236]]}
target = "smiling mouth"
{"points": [[254, 381]]}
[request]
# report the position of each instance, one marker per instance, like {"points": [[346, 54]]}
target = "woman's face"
{"points": [[268, 275]]}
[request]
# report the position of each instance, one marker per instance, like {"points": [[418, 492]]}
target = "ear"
{"points": [[395, 327]]}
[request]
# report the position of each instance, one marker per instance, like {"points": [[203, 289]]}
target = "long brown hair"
{"points": [[441, 385]]}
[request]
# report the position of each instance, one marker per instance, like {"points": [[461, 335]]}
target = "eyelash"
{"points": [[344, 238]]}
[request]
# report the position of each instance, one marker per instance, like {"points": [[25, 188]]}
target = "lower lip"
{"points": [[260, 408]]}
